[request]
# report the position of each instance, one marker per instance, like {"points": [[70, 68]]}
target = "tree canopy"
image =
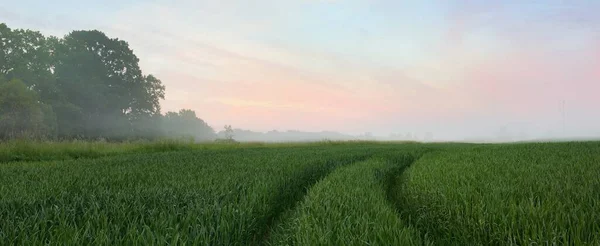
{"points": [[83, 85]]}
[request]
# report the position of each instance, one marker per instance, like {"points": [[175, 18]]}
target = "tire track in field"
{"points": [[391, 183], [291, 194], [392, 186], [400, 161]]}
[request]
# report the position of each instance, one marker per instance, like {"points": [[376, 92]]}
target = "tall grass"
{"points": [[520, 194], [324, 193], [218, 196], [26, 150], [348, 207]]}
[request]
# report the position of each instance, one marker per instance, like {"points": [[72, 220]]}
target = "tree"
{"points": [[185, 123], [101, 79], [21, 114], [85, 84], [27, 56], [228, 132], [148, 127]]}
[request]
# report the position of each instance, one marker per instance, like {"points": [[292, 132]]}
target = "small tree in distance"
{"points": [[228, 133]]}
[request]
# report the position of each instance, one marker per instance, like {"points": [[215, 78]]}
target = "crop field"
{"points": [[517, 194], [327, 193]]}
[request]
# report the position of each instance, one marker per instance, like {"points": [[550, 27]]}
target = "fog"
{"points": [[474, 71]]}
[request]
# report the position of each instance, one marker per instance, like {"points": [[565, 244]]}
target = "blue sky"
{"points": [[455, 68]]}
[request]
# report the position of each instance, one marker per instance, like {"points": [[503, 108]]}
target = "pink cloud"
{"points": [[265, 96], [529, 82], [596, 56]]}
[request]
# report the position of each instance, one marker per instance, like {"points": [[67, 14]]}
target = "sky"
{"points": [[456, 69]]}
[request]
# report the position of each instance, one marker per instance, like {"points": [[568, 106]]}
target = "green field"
{"points": [[328, 193]]}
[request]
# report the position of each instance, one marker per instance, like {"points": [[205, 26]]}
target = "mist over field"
{"points": [[300, 122], [476, 71]]}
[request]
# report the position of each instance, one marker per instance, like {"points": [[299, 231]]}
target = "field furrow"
{"points": [[356, 193], [209, 197], [349, 207], [291, 193]]}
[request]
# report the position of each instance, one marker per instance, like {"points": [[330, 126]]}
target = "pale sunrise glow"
{"points": [[458, 69]]}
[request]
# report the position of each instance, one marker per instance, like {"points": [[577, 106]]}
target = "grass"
{"points": [[218, 196], [324, 193], [519, 194], [24, 150], [21, 150], [349, 207]]}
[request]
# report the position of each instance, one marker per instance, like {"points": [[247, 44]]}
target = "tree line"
{"points": [[84, 85]]}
